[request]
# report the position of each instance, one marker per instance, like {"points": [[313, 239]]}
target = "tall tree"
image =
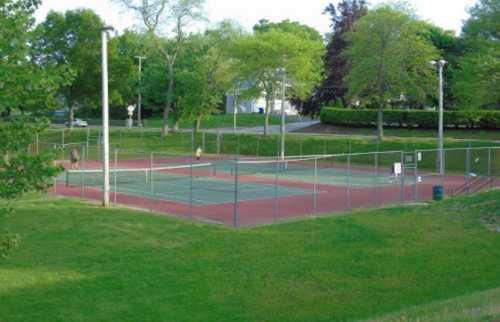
{"points": [[390, 57], [451, 49], [71, 40], [158, 16], [484, 20], [289, 26], [22, 86], [333, 89], [124, 69], [207, 71], [477, 80], [265, 55]]}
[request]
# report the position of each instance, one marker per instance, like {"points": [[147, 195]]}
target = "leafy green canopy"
{"points": [[28, 88], [390, 56], [23, 85], [477, 80], [390, 59], [206, 72], [72, 40], [264, 56]]}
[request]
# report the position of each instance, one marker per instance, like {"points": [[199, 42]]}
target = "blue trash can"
{"points": [[261, 110], [438, 193]]}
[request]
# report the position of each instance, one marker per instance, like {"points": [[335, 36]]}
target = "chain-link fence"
{"points": [[217, 143], [247, 191]]}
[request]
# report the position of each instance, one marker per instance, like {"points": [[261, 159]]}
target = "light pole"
{"points": [[130, 111], [139, 96], [441, 63], [283, 97], [235, 106], [105, 115]]}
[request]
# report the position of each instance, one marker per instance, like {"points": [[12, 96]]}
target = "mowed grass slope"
{"points": [[78, 262]]}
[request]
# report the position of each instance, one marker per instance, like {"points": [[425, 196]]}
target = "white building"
{"points": [[258, 106]]}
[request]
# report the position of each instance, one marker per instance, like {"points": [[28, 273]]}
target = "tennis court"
{"points": [[254, 191], [319, 170], [197, 184]]}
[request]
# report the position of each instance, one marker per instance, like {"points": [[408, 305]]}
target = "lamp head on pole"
{"points": [[131, 109], [439, 63], [107, 28]]}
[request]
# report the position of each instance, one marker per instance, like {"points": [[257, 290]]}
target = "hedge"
{"points": [[411, 118]]}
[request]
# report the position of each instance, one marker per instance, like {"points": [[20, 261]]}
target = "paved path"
{"points": [[273, 129]]}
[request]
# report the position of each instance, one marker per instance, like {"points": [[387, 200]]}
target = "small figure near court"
{"points": [[74, 157], [199, 153]]}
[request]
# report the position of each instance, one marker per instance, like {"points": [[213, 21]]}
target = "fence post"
{"points": [[84, 162], [218, 142], [403, 198], [99, 143], [236, 192], [191, 174], [37, 148], [489, 162], [258, 145], [443, 166], [88, 137], [276, 187], [349, 182], [315, 190], [377, 199], [116, 177], [63, 139], [468, 160], [417, 179], [151, 181]]}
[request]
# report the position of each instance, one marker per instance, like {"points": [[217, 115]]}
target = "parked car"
{"points": [[78, 123]]}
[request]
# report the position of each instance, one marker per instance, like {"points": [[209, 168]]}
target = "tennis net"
{"points": [[94, 177]]}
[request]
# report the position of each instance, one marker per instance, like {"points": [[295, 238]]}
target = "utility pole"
{"points": [[105, 115], [139, 95], [441, 63]]}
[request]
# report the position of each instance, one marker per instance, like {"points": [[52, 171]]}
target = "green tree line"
{"points": [[375, 57]]}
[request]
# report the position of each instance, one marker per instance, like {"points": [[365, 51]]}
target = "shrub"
{"points": [[412, 118]]}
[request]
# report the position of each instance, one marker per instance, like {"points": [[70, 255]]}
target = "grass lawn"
{"points": [[225, 121], [252, 144], [78, 262], [463, 134]]}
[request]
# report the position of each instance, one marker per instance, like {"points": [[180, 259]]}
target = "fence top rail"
{"points": [[319, 156], [461, 149]]}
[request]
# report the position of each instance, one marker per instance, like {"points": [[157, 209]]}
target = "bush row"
{"points": [[412, 118]]}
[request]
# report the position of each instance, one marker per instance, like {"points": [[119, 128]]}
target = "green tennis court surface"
{"points": [[164, 184], [300, 172]]}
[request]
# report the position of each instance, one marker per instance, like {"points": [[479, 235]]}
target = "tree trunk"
{"points": [[175, 126], [168, 105], [266, 119], [71, 116], [164, 129], [198, 123], [380, 122]]}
